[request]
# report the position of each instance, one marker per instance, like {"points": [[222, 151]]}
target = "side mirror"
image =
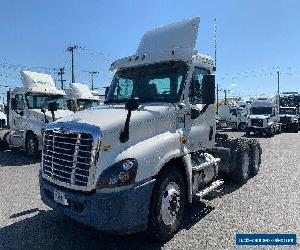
{"points": [[71, 105], [132, 104], [208, 89], [195, 113], [13, 104], [52, 106]]}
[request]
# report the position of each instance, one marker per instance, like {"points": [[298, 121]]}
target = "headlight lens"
{"points": [[122, 173]]}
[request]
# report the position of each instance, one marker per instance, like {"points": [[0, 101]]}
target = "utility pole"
{"points": [[225, 98], [218, 90], [61, 73], [92, 73], [71, 49], [278, 89]]}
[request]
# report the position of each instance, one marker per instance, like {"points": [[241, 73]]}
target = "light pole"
{"points": [[71, 49], [278, 88]]}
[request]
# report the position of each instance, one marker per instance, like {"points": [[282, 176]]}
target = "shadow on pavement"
{"points": [[52, 230], [16, 158]]}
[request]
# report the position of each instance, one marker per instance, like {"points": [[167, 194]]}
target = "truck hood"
{"points": [[111, 118], [58, 114], [259, 116]]}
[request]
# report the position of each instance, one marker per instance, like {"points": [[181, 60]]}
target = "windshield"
{"points": [[160, 82], [288, 111], [41, 101], [261, 111], [86, 103]]}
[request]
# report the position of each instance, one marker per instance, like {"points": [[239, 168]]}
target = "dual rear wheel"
{"points": [[248, 160]]}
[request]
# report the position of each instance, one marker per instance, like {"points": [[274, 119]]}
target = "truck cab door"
{"points": [[200, 128]]}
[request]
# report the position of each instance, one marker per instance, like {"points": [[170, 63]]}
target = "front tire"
{"points": [[31, 145], [167, 205]]}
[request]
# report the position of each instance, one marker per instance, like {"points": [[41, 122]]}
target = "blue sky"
{"points": [[254, 38]]}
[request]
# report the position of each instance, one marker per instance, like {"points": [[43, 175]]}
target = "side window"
{"points": [[123, 89], [195, 92], [20, 102]]}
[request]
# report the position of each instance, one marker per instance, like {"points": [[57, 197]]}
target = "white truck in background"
{"points": [[235, 116], [79, 97], [289, 118], [134, 163], [264, 117], [30, 107]]}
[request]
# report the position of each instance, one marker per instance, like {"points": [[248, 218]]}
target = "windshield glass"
{"points": [[41, 101], [288, 111], [86, 103], [261, 110], [160, 82]]}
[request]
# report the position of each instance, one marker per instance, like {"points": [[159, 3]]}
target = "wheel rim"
{"points": [[31, 146], [256, 158], [245, 165], [170, 203]]}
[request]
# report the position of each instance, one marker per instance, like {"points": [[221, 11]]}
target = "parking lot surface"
{"points": [[267, 203]]}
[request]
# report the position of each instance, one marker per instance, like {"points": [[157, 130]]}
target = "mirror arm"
{"points": [[124, 135], [202, 111]]}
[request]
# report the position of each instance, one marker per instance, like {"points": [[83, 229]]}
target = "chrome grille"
{"points": [[257, 122], [67, 156], [285, 119]]}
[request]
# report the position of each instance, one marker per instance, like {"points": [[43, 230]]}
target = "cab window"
{"points": [[195, 92], [20, 104]]}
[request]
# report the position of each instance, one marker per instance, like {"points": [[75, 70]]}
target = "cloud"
{"points": [[233, 85]]}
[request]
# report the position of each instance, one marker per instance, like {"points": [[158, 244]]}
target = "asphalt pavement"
{"points": [[267, 203]]}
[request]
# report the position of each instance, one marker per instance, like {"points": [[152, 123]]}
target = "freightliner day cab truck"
{"points": [[137, 161], [30, 107], [80, 97], [264, 117]]}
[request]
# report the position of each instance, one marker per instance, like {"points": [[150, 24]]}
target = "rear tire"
{"points": [[167, 205], [31, 145], [241, 173], [242, 127], [255, 157]]}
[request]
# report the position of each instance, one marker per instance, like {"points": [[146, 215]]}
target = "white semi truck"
{"points": [[289, 118], [234, 116], [79, 97], [264, 117], [137, 161], [30, 107]]}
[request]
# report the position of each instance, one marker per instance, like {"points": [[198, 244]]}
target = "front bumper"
{"points": [[119, 212], [256, 129]]}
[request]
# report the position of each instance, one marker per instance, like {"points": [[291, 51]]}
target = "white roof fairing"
{"points": [[177, 35], [36, 82], [171, 42], [80, 91]]}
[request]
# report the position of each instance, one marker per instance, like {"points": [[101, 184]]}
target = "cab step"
{"points": [[213, 186]]}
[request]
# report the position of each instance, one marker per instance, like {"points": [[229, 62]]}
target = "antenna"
{"points": [[215, 42]]}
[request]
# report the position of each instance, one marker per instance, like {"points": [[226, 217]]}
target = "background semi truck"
{"points": [[80, 97], [30, 107], [264, 117], [289, 119], [235, 116], [137, 161]]}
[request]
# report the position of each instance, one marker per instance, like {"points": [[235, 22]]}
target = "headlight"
{"points": [[122, 173]]}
